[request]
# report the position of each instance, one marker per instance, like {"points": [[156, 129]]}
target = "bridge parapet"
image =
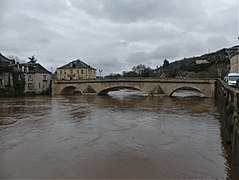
{"points": [[168, 80]]}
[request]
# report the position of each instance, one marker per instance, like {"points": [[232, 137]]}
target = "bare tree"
{"points": [[15, 58]]}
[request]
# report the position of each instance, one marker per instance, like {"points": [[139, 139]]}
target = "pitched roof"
{"points": [[36, 68], [76, 64], [4, 59], [5, 62]]}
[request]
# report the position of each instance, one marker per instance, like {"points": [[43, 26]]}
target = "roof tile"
{"points": [[76, 64]]}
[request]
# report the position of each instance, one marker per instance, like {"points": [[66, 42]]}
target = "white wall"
{"points": [[37, 84]]}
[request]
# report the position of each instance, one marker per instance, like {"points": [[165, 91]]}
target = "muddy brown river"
{"points": [[124, 135]]}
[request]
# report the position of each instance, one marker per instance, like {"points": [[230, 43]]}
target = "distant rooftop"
{"points": [[36, 68], [233, 51], [4, 59], [76, 64]]}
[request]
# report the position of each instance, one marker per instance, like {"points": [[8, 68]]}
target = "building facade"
{"points": [[234, 63], [6, 79], [76, 70], [26, 78], [37, 78]]}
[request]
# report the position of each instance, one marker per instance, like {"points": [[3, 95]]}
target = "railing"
{"points": [[139, 79]]}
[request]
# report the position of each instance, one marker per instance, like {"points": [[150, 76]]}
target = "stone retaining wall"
{"points": [[227, 99]]}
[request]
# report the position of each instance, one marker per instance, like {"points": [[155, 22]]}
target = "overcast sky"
{"points": [[115, 35]]}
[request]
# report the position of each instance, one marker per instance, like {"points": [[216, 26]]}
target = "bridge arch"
{"points": [[116, 88], [70, 90], [188, 88]]}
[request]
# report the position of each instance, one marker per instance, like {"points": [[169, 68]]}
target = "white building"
{"points": [[37, 78], [202, 62]]}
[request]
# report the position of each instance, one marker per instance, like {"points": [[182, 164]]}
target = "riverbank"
{"points": [[227, 99]]}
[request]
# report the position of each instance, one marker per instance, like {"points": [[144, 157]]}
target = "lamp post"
{"points": [[100, 71]]}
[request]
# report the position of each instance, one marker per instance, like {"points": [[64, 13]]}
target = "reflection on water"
{"points": [[123, 135]]}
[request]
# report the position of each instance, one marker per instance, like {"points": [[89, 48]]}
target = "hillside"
{"points": [[210, 65], [214, 65]]}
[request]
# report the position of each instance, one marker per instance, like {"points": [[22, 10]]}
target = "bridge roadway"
{"points": [[151, 86]]}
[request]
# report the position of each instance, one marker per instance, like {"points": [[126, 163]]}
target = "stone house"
{"points": [[76, 70], [37, 78], [5, 62], [31, 78], [5, 72], [234, 63]]}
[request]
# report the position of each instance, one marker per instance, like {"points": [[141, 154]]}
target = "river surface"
{"points": [[117, 136]]}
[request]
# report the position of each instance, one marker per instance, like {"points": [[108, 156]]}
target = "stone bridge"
{"points": [[153, 87]]}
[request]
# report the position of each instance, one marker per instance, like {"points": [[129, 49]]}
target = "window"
{"points": [[30, 86], [44, 84], [82, 71], [60, 71], [30, 78], [44, 77], [78, 71]]}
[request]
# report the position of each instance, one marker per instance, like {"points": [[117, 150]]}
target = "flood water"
{"points": [[117, 136]]}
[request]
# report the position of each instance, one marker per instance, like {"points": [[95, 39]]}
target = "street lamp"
{"points": [[100, 71]]}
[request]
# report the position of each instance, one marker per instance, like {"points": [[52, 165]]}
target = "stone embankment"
{"points": [[227, 99]]}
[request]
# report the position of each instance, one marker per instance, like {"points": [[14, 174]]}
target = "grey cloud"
{"points": [[167, 51], [115, 35], [150, 31], [109, 64], [92, 7], [217, 42], [154, 57], [47, 7], [127, 11], [24, 33], [138, 57]]}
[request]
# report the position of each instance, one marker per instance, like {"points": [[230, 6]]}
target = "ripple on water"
{"points": [[7, 122], [105, 137]]}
